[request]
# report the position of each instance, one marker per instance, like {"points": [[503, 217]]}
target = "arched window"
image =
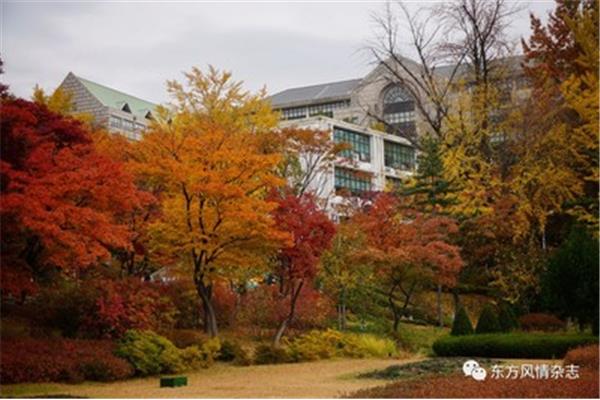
{"points": [[399, 110]]}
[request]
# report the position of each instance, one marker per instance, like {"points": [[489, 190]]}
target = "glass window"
{"points": [[139, 127], [359, 142], [352, 181], [327, 108], [398, 156], [400, 117], [127, 125], [294, 113], [399, 111], [313, 110], [115, 122], [394, 95]]}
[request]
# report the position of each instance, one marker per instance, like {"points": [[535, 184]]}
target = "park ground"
{"points": [[319, 379]]}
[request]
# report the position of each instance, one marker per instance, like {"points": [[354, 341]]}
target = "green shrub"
{"points": [[488, 321], [462, 324], [192, 358], [317, 345], [268, 354], [152, 354], [366, 345], [232, 351], [418, 338], [209, 352], [171, 360], [143, 350], [510, 345], [507, 318], [228, 350]]}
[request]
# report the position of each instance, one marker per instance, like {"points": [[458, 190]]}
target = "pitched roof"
{"points": [[315, 93], [117, 99]]}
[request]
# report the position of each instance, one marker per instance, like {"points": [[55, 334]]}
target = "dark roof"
{"points": [[314, 94], [513, 63]]}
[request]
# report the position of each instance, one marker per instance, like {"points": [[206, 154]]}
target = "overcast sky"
{"points": [[136, 47]]}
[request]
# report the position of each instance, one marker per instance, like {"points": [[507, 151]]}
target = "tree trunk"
{"points": [[395, 314], [210, 317], [439, 306], [396, 319], [288, 320], [456, 299], [341, 308]]}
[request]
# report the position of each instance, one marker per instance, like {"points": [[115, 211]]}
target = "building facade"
{"points": [[111, 109], [377, 160], [350, 110]]}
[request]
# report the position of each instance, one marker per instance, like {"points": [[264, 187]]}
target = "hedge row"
{"points": [[60, 360], [514, 345]]}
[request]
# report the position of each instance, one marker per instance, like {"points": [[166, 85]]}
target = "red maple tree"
{"points": [[311, 232], [61, 201], [408, 250]]}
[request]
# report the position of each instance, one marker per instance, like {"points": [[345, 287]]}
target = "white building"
{"points": [[377, 160]]}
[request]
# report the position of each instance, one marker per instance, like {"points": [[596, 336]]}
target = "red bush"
{"points": [[541, 322], [184, 338], [184, 297], [224, 301], [263, 308], [460, 386], [130, 304], [31, 360], [585, 357]]}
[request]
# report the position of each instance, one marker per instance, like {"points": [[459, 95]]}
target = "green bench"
{"points": [[173, 381]]}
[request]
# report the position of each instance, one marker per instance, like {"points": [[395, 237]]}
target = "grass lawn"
{"points": [[419, 338], [330, 378], [412, 338]]}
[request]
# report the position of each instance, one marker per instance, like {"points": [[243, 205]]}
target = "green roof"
{"points": [[116, 99]]}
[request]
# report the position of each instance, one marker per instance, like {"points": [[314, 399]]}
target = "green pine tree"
{"points": [[430, 189], [462, 324], [488, 321]]}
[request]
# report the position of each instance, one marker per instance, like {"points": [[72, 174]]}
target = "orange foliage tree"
{"points": [[408, 250], [307, 157], [210, 159], [61, 201]]}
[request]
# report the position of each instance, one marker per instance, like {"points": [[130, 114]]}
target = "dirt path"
{"points": [[331, 378]]}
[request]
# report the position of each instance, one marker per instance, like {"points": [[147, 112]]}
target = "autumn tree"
{"points": [[307, 156], [429, 90], [341, 271], [61, 201], [297, 264], [209, 155], [558, 158], [60, 102], [429, 191], [408, 251]]}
